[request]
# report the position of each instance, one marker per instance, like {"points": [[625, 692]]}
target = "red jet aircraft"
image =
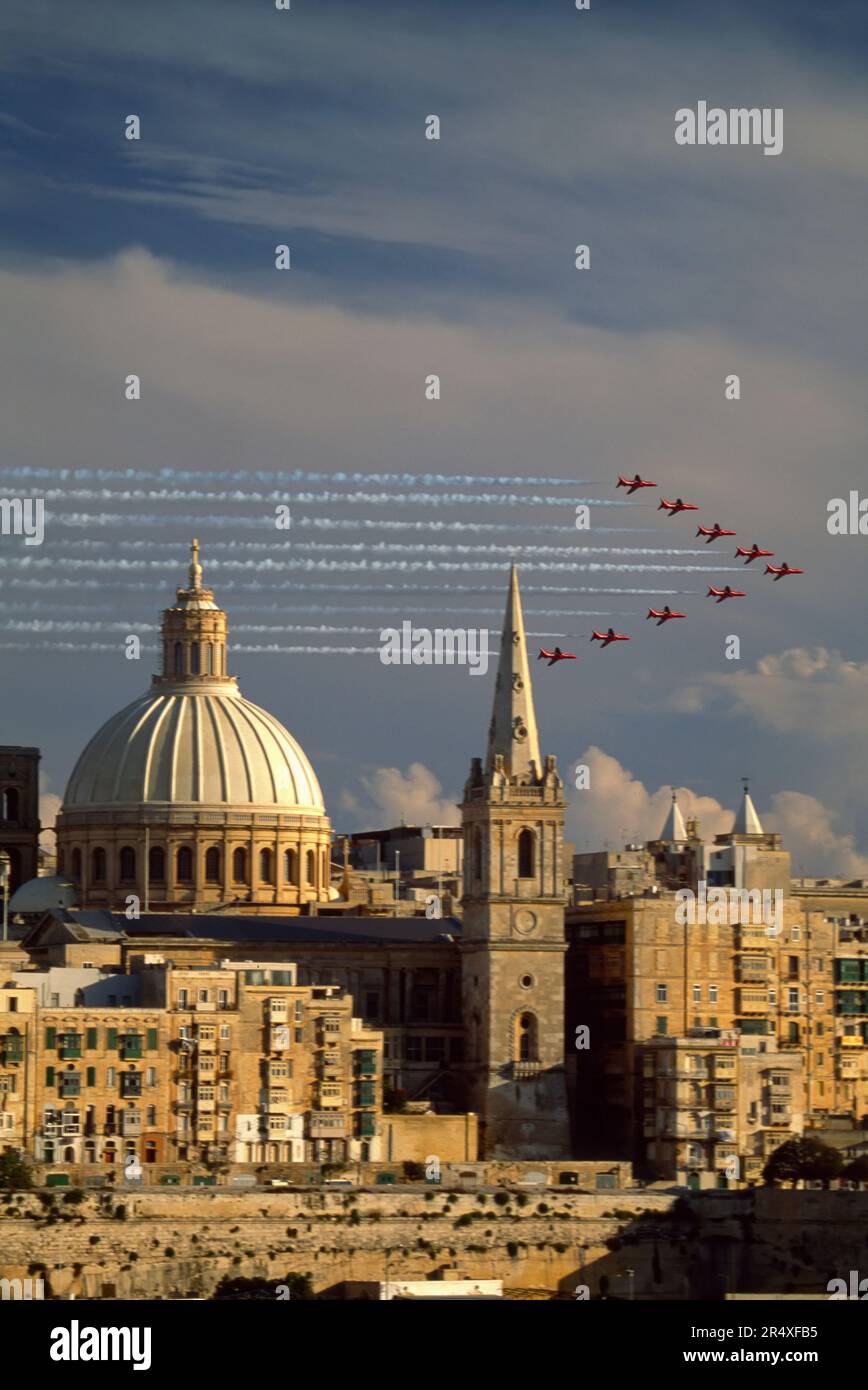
{"points": [[610, 636], [556, 655], [664, 616], [714, 532], [781, 571], [677, 506], [726, 592], [752, 554], [631, 484]]}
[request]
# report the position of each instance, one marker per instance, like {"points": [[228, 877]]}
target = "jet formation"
{"points": [[719, 594]]}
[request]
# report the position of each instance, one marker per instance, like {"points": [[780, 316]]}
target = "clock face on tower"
{"points": [[524, 921]]}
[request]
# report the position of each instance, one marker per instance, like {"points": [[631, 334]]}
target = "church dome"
{"points": [[206, 747], [192, 797]]}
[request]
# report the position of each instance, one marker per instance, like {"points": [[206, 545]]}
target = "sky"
{"points": [[456, 257]]}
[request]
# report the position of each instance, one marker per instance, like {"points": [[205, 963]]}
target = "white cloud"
{"points": [[617, 807], [807, 829], [392, 797]]}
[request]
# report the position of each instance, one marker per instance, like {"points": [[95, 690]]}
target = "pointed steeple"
{"points": [[747, 822], [674, 830], [513, 731]]}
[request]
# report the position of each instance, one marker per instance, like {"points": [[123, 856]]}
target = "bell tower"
{"points": [[513, 943]]}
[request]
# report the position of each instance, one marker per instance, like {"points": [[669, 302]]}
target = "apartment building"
{"points": [[716, 1103]]}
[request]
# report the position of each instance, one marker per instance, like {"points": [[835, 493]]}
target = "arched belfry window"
{"points": [[526, 1040], [210, 657], [239, 865], [157, 864], [194, 658], [526, 854], [179, 659], [476, 853], [212, 865], [311, 868], [10, 804], [184, 863], [127, 864]]}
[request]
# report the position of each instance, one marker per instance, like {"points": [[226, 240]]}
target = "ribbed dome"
{"points": [[203, 746]]}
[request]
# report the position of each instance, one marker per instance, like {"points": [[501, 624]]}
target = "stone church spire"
{"points": [[513, 732]]}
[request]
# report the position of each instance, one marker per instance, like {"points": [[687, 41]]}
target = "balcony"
{"points": [[367, 1094], [752, 1001], [367, 1126], [526, 1071], [13, 1050], [367, 1063], [329, 1100]]}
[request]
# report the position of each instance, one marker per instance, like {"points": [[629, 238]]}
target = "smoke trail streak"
{"points": [[364, 566], [36, 607], [295, 475], [201, 525], [383, 499], [384, 548], [141, 586], [40, 626]]}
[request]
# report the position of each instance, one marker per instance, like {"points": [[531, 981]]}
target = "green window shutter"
{"points": [[91, 1039], [152, 1040], [49, 1076], [112, 1038], [50, 1037], [91, 1076]]}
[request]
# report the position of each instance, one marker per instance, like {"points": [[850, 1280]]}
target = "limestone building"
{"points": [[19, 812], [192, 797]]}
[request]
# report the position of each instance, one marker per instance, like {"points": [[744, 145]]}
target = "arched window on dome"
{"points": [[184, 864], [157, 864], [76, 863], [128, 864], [97, 866], [526, 854], [239, 865], [266, 872], [326, 872], [194, 658], [290, 866], [526, 1045], [212, 865], [179, 659], [311, 868], [210, 658], [10, 804]]}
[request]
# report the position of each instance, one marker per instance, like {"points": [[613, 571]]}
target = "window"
{"points": [[182, 1004], [266, 872], [156, 864], [793, 1000], [526, 1039], [796, 934], [412, 1049], [697, 994], [98, 866], [820, 997], [662, 1026], [239, 865], [179, 659], [298, 1009], [10, 804], [204, 996], [210, 656], [194, 658], [184, 863], [712, 994], [793, 967], [290, 866], [225, 1030], [151, 1116], [662, 994], [151, 1076], [110, 1076], [127, 864], [773, 996], [212, 865], [311, 868], [526, 847]]}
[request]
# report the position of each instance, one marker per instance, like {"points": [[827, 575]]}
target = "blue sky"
{"points": [[454, 257]]}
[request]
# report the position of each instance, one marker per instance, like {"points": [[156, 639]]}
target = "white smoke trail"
{"points": [[362, 566], [382, 499], [381, 548], [294, 475], [203, 525]]}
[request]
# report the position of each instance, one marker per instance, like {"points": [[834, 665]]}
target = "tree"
{"points": [[857, 1169], [804, 1158], [14, 1171]]}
